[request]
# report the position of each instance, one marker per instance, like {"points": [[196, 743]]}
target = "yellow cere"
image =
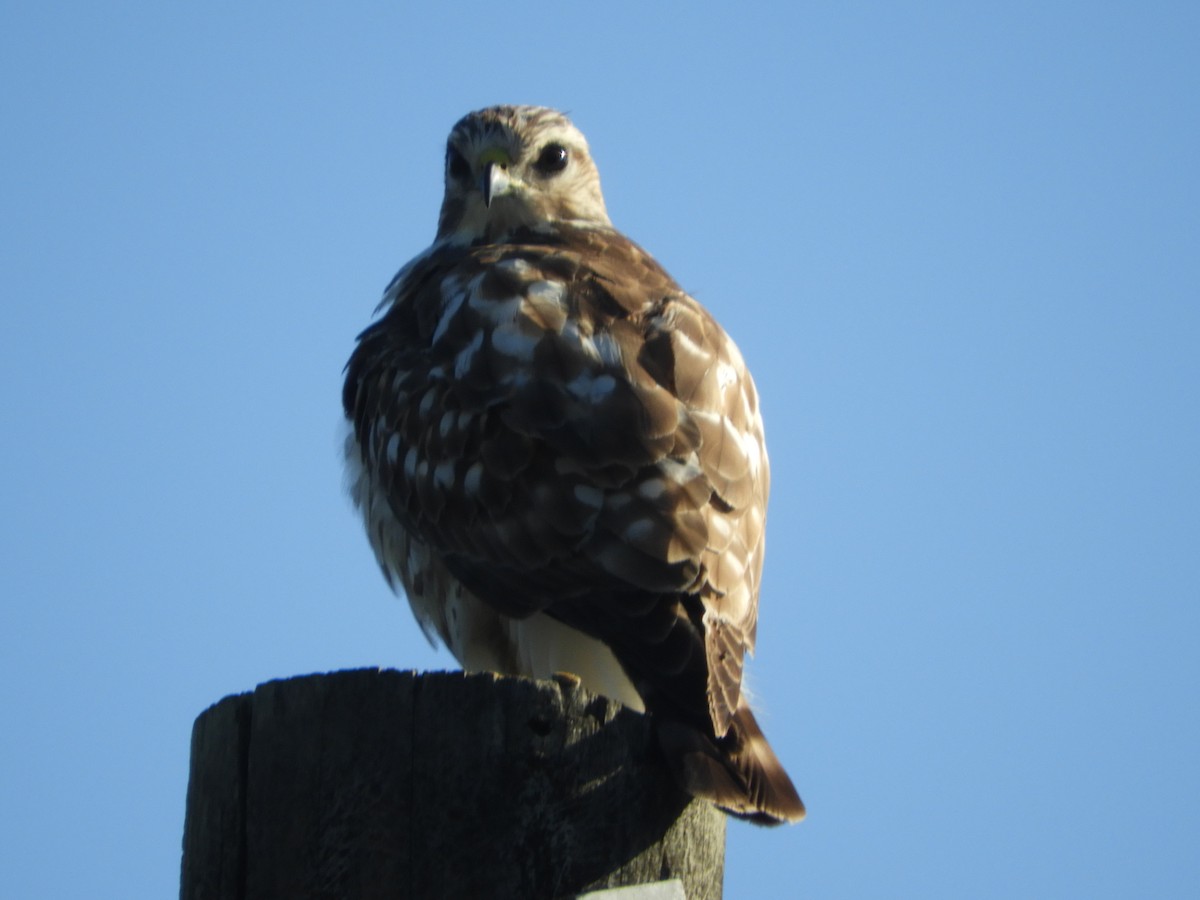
{"points": [[495, 155]]}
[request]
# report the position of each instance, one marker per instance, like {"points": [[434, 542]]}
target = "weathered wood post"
{"points": [[386, 784]]}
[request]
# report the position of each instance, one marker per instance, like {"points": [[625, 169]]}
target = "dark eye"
{"points": [[552, 160], [456, 165]]}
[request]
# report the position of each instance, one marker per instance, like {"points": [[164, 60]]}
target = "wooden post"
{"points": [[374, 784]]}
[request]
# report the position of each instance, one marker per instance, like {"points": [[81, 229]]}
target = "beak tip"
{"points": [[486, 184], [494, 183]]}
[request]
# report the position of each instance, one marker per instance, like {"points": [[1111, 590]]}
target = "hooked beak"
{"points": [[495, 180]]}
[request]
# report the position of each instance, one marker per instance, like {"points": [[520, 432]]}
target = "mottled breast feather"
{"points": [[569, 432]]}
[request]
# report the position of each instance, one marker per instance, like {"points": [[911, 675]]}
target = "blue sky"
{"points": [[957, 245]]}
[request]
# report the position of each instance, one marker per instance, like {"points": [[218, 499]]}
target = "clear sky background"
{"points": [[959, 245]]}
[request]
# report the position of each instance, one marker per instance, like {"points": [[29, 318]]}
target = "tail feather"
{"points": [[738, 772]]}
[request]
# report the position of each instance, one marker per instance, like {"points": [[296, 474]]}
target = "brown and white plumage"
{"points": [[559, 455]]}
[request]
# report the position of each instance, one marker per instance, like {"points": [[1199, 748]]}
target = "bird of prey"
{"points": [[558, 455]]}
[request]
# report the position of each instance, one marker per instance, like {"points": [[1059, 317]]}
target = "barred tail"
{"points": [[738, 772]]}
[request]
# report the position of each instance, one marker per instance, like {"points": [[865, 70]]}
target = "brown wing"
{"points": [[572, 433]]}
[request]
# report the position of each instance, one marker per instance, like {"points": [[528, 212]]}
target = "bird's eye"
{"points": [[552, 160], [456, 165]]}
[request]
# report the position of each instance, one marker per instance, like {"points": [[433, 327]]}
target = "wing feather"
{"points": [[571, 433]]}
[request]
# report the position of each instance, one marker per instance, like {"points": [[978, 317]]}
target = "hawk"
{"points": [[558, 455]]}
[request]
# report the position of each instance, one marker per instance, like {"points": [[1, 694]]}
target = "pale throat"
{"points": [[520, 210], [503, 217]]}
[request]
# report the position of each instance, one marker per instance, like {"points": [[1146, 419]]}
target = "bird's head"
{"points": [[510, 167]]}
